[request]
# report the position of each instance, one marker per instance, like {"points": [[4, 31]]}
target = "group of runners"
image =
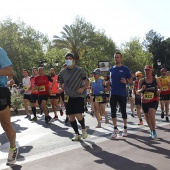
{"points": [[72, 88]]}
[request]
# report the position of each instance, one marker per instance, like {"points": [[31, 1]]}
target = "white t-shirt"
{"points": [[26, 85]]}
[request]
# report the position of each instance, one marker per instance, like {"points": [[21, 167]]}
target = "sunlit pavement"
{"points": [[49, 146]]}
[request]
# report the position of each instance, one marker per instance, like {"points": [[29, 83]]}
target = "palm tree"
{"points": [[76, 37]]}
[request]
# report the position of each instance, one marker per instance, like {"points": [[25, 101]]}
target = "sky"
{"points": [[120, 19]]}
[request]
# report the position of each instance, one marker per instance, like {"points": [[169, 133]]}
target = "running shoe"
{"points": [[48, 119], [98, 125], [92, 113], [140, 123], [34, 119], [28, 116], [114, 134], [12, 156], [132, 115], [167, 119], [154, 135], [162, 115], [124, 134], [55, 117], [150, 135], [84, 133], [76, 138]]}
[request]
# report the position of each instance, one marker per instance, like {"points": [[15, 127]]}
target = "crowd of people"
{"points": [[71, 90]]}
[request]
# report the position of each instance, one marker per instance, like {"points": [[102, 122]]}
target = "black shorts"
{"points": [[5, 98], [164, 97], [147, 106], [56, 96], [75, 105], [103, 97], [137, 100], [43, 97], [27, 96], [33, 98]]}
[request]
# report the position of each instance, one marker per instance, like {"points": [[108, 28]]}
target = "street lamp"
{"points": [[159, 63], [45, 63]]}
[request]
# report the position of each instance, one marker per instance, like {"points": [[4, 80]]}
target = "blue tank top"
{"points": [[98, 88]]}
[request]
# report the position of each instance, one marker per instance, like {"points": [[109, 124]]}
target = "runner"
{"points": [[42, 84], [120, 76], [150, 88], [72, 77], [54, 94], [27, 92], [99, 97], [165, 93], [34, 94], [6, 70], [131, 97], [138, 97]]}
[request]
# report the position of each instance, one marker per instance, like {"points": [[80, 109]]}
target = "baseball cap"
{"points": [[70, 54], [96, 72], [147, 67], [163, 69], [138, 74]]}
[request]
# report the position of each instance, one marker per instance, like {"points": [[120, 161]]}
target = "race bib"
{"points": [[41, 88], [98, 99], [25, 88], [53, 94], [107, 92], [165, 88], [66, 98], [34, 89], [148, 95]]}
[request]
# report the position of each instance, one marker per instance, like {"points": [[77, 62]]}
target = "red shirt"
{"points": [[42, 82]]}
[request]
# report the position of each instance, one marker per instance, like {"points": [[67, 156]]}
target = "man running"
{"points": [[73, 76], [5, 101], [42, 84], [165, 93], [54, 94], [120, 76], [27, 92]]}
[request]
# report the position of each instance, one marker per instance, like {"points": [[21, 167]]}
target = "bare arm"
{"points": [[6, 71]]}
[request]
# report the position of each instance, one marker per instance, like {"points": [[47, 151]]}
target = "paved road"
{"points": [[43, 146]]}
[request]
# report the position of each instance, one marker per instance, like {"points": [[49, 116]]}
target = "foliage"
{"points": [[103, 51], [23, 44], [75, 38], [156, 45], [17, 100], [134, 55]]}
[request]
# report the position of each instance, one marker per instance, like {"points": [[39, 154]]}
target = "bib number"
{"points": [[41, 88], [148, 95], [98, 99], [25, 88], [165, 88], [66, 98]]}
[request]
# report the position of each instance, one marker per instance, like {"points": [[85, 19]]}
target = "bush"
{"points": [[17, 100]]}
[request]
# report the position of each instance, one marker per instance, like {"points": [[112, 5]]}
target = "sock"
{"points": [[82, 123], [125, 127], [115, 127], [34, 111], [12, 149], [74, 126], [140, 120]]}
